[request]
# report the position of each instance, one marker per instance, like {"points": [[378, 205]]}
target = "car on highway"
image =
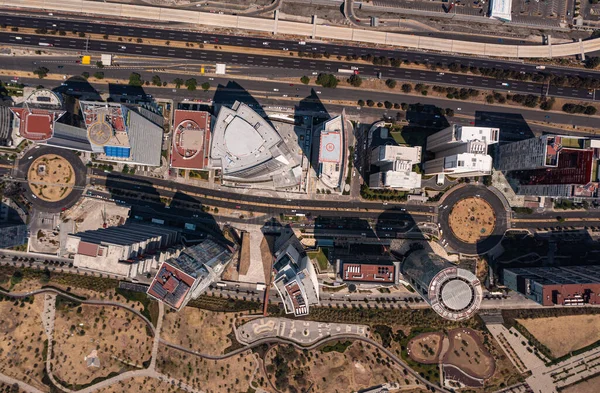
{"points": [[505, 84], [18, 38], [285, 95], [265, 43], [286, 49], [441, 73], [318, 92], [275, 89], [123, 47]]}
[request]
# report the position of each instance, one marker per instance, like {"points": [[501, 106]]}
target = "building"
{"points": [[250, 152], [549, 286], [453, 292], [333, 150], [501, 10], [552, 165], [295, 277], [396, 165], [12, 234], [369, 273], [191, 140], [461, 151], [36, 118], [127, 250], [185, 277], [114, 132]]}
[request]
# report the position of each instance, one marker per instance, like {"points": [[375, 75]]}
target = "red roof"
{"points": [[368, 272], [36, 124], [192, 155], [89, 249]]}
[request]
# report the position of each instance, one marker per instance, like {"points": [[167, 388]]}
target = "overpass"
{"points": [[303, 30]]}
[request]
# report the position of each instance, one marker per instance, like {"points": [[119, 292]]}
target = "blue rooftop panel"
{"points": [[117, 151]]}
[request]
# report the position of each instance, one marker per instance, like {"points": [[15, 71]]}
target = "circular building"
{"points": [[453, 292]]}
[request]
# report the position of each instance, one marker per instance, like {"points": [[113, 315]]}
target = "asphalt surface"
{"points": [[118, 28], [294, 62], [76, 192], [488, 242]]}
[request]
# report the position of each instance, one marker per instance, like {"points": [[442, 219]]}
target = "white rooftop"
{"points": [[468, 162], [501, 9], [330, 149], [391, 153], [402, 179], [468, 133]]}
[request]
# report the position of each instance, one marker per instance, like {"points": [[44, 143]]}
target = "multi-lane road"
{"points": [[284, 60]]}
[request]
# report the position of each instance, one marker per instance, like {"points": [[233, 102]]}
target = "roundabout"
{"points": [[55, 178], [473, 219]]}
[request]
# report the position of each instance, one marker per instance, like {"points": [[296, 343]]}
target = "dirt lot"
{"points": [[472, 219], [212, 376], [22, 341], [467, 352], [358, 367], [141, 384], [589, 386], [89, 214], [201, 330], [426, 347], [56, 174], [564, 334], [120, 338]]}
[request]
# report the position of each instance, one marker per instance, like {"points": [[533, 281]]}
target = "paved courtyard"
{"points": [[302, 332]]}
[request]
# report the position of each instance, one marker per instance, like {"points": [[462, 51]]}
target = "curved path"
{"points": [[170, 15], [466, 191], [317, 344]]}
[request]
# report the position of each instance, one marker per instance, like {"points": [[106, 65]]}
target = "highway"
{"points": [[119, 29], [294, 62]]}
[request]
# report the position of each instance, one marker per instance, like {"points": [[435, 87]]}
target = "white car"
{"points": [[275, 89], [318, 92], [285, 95], [441, 73], [459, 109], [265, 43]]}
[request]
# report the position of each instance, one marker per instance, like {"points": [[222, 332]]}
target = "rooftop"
{"points": [[36, 124], [330, 149], [191, 139], [368, 273], [171, 285]]}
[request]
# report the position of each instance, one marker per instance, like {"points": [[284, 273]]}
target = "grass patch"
{"points": [[150, 310], [339, 346], [220, 304], [203, 175], [321, 255]]}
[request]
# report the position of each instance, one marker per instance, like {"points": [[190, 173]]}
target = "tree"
{"points": [[388, 105], [406, 87], [590, 110], [370, 103], [305, 79], [41, 72], [191, 84], [99, 64], [99, 75], [205, 86], [135, 79], [391, 83], [327, 80], [361, 103], [85, 74], [355, 80], [449, 112], [178, 82], [156, 80], [592, 62]]}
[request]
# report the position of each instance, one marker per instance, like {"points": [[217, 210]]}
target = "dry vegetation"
{"points": [[120, 337], [231, 375], [564, 334], [589, 386], [51, 177], [467, 352], [201, 330], [472, 219], [343, 369], [426, 347], [22, 341], [141, 384]]}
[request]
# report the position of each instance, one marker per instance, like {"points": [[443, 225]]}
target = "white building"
{"points": [[501, 10], [250, 152], [296, 278], [396, 167], [461, 151], [333, 154]]}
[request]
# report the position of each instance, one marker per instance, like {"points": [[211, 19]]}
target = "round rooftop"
{"points": [[241, 139], [455, 293], [100, 132]]}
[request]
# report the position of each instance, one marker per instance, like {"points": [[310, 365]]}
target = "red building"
{"points": [[191, 140]]}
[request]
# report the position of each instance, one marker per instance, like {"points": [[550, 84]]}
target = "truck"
{"points": [[540, 67], [221, 285], [44, 44], [220, 69], [346, 71]]}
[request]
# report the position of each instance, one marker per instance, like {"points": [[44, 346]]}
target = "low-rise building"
{"points": [[396, 165], [295, 277], [36, 118], [552, 166], [191, 140], [187, 276], [549, 286], [461, 151], [127, 250], [369, 273]]}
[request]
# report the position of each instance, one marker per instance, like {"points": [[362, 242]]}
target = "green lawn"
{"points": [[320, 257]]}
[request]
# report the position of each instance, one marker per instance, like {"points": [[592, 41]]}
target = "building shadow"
{"points": [[78, 87], [309, 114], [513, 127]]}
